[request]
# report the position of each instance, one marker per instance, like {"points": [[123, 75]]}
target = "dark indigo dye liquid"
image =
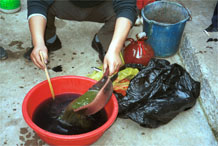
{"points": [[47, 113]]}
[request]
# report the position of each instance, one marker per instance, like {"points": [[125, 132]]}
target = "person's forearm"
{"points": [[37, 26], [121, 31]]}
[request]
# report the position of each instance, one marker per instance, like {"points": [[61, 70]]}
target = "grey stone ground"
{"points": [[17, 76], [200, 58]]}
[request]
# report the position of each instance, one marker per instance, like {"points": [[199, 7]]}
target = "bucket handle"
{"points": [[189, 13]]}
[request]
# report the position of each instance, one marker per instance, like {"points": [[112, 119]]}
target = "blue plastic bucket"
{"points": [[164, 24]]}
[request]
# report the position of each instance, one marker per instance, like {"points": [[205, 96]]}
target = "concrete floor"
{"points": [[18, 76]]}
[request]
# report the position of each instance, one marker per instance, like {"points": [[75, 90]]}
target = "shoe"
{"points": [[211, 28], [51, 47], [3, 54], [97, 46]]}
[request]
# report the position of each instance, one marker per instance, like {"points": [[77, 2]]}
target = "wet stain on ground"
{"points": [[209, 47], [13, 122], [28, 135], [29, 139], [212, 40], [18, 43], [142, 133], [3, 18], [57, 68], [22, 138], [13, 55], [23, 130], [202, 52]]}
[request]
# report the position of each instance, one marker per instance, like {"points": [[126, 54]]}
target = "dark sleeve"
{"points": [[125, 8], [38, 6]]}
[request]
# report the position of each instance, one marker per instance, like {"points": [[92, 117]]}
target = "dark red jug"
{"points": [[138, 52]]}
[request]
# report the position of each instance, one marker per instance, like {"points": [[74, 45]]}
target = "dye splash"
{"points": [[57, 68]]}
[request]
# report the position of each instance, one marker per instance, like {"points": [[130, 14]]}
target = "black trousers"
{"points": [[102, 13], [215, 17]]}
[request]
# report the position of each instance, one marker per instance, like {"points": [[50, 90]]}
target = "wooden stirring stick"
{"points": [[47, 75]]}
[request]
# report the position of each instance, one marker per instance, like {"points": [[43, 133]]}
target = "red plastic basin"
{"points": [[65, 84]]}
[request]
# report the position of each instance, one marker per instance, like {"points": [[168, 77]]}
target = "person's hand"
{"points": [[113, 61], [35, 56], [112, 58]]}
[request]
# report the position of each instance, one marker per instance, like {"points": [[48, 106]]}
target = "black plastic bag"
{"points": [[158, 93]]}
